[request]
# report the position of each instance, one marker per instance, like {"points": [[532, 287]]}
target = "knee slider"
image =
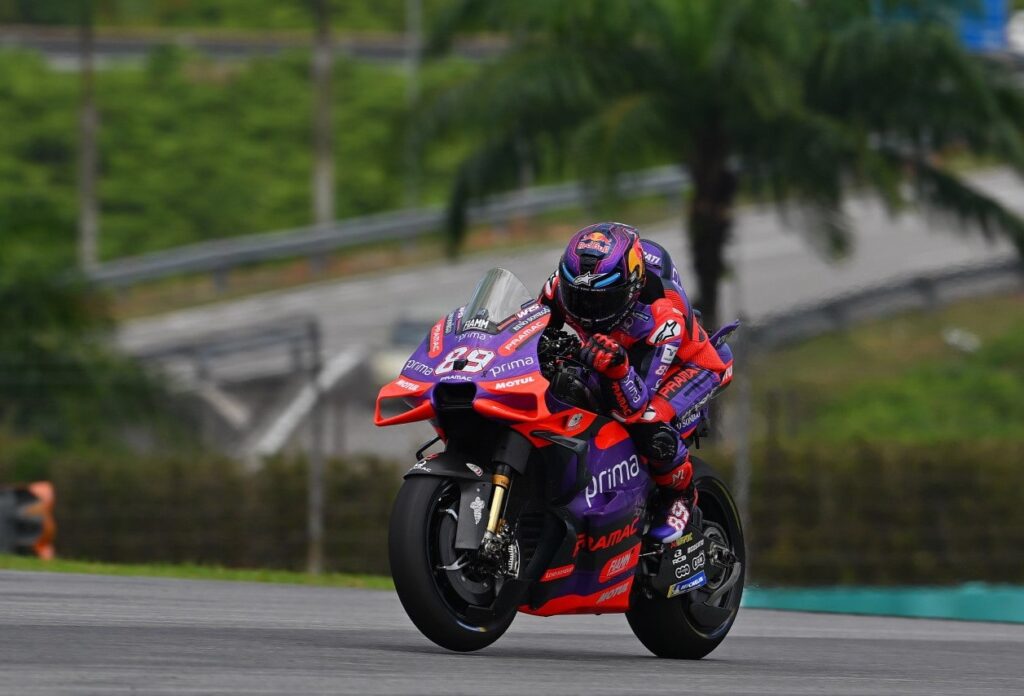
{"points": [[660, 442]]}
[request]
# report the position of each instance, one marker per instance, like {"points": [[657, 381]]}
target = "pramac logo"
{"points": [[436, 342], [523, 336]]}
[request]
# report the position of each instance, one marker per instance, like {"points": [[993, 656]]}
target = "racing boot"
{"points": [[675, 516], [680, 498]]}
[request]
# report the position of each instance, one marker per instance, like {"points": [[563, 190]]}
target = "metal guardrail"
{"points": [[221, 255], [925, 291]]}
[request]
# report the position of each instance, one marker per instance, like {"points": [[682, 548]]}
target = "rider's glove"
{"points": [[605, 356]]}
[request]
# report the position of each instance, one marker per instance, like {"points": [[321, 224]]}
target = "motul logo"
{"points": [[619, 589], [523, 336], [509, 384], [411, 386]]}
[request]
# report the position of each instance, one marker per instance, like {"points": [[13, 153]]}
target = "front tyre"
{"points": [[421, 538], [689, 627]]}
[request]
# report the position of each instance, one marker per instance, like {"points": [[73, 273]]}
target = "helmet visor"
{"points": [[594, 306]]}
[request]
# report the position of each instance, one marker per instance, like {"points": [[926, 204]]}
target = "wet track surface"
{"points": [[79, 634]]}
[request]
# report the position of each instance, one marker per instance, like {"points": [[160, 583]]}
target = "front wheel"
{"points": [[692, 625], [439, 588]]}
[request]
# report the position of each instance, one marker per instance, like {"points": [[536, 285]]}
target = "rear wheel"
{"points": [[692, 625], [437, 585]]}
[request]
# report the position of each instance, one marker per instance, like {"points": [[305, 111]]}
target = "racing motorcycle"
{"points": [[539, 503]]}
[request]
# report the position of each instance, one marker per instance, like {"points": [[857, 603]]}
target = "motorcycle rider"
{"points": [[624, 298]]}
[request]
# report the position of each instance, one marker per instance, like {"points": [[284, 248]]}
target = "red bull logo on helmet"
{"points": [[594, 241]]}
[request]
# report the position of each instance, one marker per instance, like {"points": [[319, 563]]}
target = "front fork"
{"points": [[493, 543]]}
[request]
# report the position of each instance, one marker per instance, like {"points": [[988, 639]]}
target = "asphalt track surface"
{"points": [[79, 634]]}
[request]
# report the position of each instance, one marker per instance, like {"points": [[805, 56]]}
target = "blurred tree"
{"points": [[59, 379], [799, 101]]}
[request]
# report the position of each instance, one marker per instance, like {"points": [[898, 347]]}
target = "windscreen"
{"points": [[498, 296]]}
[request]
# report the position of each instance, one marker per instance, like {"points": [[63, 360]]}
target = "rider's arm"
{"points": [[676, 325], [619, 379], [547, 298]]}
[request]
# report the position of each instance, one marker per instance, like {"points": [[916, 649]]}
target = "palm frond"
{"points": [[944, 193]]}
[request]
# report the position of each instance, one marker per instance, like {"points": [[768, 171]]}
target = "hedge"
{"points": [[871, 514]]}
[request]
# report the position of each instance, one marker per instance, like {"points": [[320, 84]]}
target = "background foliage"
{"points": [[192, 149], [176, 508], [380, 15]]}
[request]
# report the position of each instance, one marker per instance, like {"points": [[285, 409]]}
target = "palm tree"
{"points": [[798, 101]]}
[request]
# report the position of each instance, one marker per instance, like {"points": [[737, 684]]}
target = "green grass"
{"points": [[898, 380], [196, 572]]}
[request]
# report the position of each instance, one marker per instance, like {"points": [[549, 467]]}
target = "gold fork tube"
{"points": [[501, 484]]}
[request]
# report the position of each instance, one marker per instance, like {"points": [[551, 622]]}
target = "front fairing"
{"points": [[501, 365]]}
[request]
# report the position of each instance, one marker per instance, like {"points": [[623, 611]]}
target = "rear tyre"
{"points": [[677, 628], [444, 604]]}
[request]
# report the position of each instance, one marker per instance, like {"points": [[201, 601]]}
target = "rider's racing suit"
{"points": [[673, 368]]}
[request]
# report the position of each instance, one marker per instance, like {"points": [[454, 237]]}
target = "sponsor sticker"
{"points": [[666, 332], [513, 383], [523, 336], [528, 310], [668, 353], [612, 478], [421, 465], [606, 541], [620, 589], [620, 564], [407, 385], [418, 367], [475, 469], [436, 343], [698, 580], [684, 539], [558, 573], [517, 364]]}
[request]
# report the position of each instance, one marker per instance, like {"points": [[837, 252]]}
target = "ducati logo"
{"points": [[477, 506]]}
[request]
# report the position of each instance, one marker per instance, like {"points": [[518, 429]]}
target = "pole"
{"points": [[413, 56], [315, 476], [88, 126], [323, 141]]}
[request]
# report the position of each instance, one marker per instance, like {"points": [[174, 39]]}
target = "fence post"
{"points": [[315, 476], [744, 410]]}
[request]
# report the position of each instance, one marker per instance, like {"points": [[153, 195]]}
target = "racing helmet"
{"points": [[600, 276]]}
